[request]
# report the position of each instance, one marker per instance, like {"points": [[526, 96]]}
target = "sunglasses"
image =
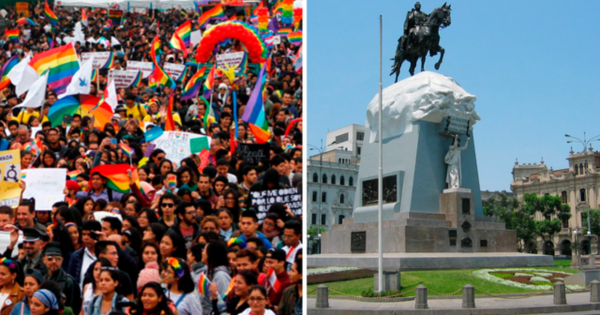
{"points": [[169, 205]]}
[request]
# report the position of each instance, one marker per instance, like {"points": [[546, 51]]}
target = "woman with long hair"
{"points": [[85, 205], [238, 303], [33, 281], [109, 297], [187, 179], [172, 245], [91, 287], [152, 301], [217, 272], [180, 286], [75, 234], [146, 217], [149, 253], [10, 289], [231, 203], [154, 232]]}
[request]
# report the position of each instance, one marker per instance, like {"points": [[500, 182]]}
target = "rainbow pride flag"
{"points": [[182, 35], [115, 16], [94, 75], [254, 114], [73, 174], [210, 80], [49, 14], [12, 35], [193, 85], [126, 149], [62, 63], [215, 13], [4, 80], [156, 49], [138, 80], [284, 31], [110, 63], [84, 17], [204, 285], [24, 20], [295, 37], [169, 122], [159, 76], [116, 176]]}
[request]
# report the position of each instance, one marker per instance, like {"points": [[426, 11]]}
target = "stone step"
{"points": [[419, 215]]}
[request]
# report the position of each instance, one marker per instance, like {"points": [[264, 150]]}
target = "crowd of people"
{"points": [[187, 237]]}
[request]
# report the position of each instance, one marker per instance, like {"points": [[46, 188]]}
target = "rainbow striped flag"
{"points": [[284, 31], [254, 114], [193, 85], [33, 148], [169, 122], [94, 75], [73, 174], [204, 285], [229, 288], [210, 80], [159, 76], [115, 16], [295, 37], [110, 63], [215, 13], [182, 36], [62, 63], [12, 35], [116, 176], [278, 8], [84, 17], [23, 21], [49, 14], [156, 49], [126, 149], [4, 80], [138, 80]]}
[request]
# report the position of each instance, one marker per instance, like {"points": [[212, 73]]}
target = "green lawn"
{"points": [[442, 281]]}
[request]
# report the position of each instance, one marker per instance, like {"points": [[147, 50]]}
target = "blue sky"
{"points": [[533, 65]]}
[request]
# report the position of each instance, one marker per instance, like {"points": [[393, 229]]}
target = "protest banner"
{"points": [[100, 58], [46, 185], [22, 9], [122, 78], [198, 144], [10, 170], [175, 70], [232, 59], [176, 144], [195, 37], [253, 153], [145, 67], [263, 200]]}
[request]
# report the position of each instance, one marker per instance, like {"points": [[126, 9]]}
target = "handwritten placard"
{"points": [[263, 200], [253, 153]]}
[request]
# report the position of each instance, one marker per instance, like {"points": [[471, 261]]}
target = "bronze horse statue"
{"points": [[425, 39]]}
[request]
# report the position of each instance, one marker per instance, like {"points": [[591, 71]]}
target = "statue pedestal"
{"points": [[458, 206]]}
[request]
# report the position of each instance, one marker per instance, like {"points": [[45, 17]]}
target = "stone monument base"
{"points": [[454, 229]]}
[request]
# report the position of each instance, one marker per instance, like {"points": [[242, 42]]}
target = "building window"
{"points": [[563, 194], [582, 195], [342, 198], [323, 219], [341, 219], [315, 178], [313, 218], [565, 223], [581, 169], [576, 172], [314, 199], [351, 181], [341, 138], [342, 181], [324, 197], [332, 179], [324, 181], [357, 150], [360, 136]]}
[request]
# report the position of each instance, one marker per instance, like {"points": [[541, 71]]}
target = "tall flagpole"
{"points": [[380, 176]]}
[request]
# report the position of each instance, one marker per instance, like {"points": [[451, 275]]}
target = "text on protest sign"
{"points": [[122, 78], [176, 144], [253, 153], [145, 67], [45, 185], [22, 9], [100, 58], [263, 200], [195, 37], [232, 59], [10, 170], [175, 70]]}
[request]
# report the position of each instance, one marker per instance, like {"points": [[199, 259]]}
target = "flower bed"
{"points": [[534, 279], [332, 274]]}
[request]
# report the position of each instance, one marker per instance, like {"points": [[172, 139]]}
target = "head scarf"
{"points": [[48, 298]]}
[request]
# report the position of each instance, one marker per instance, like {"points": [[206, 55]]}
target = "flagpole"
{"points": [[380, 175]]}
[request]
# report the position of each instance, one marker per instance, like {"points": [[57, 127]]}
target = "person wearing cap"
{"points": [[32, 282], [10, 290], [33, 244], [82, 258], [275, 259], [53, 259], [44, 302]]}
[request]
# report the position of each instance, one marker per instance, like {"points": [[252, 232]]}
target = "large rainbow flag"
{"points": [[159, 76], [254, 114], [214, 13], [49, 14], [84, 17], [4, 80], [62, 63], [116, 176], [193, 85], [12, 35], [181, 36]]}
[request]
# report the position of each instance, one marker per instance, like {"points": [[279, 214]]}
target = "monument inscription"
{"points": [[370, 190], [358, 242]]}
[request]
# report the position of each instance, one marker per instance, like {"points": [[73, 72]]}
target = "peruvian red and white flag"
{"points": [[272, 280], [110, 95]]}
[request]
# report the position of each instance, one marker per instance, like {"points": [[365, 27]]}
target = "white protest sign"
{"points": [[276, 40], [123, 78], [232, 59], [175, 70], [176, 144], [195, 37], [145, 67], [99, 215], [263, 200], [100, 58], [46, 185]]}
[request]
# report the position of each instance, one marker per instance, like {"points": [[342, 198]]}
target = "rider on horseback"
{"points": [[414, 20]]}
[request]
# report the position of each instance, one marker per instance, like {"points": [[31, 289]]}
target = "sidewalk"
{"points": [[576, 303]]}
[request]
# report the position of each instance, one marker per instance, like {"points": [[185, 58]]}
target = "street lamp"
{"points": [[585, 142]]}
